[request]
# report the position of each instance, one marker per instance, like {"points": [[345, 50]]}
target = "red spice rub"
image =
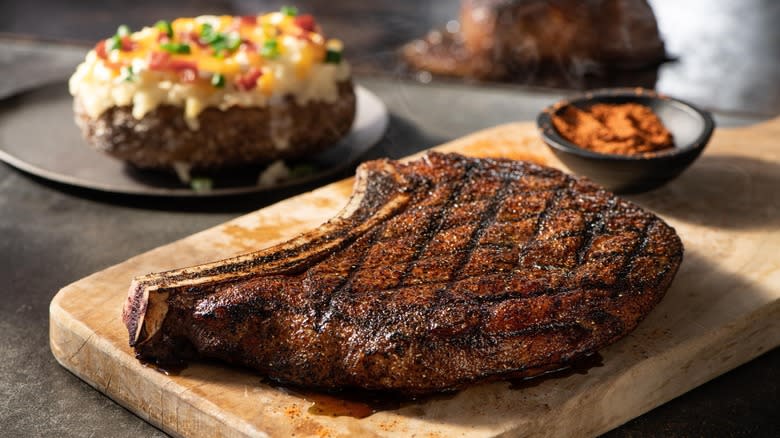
{"points": [[626, 129]]}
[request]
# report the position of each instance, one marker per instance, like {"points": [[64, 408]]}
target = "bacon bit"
{"points": [[192, 37], [248, 20], [180, 65], [248, 80], [300, 33], [102, 53], [100, 50], [238, 22], [159, 60], [247, 45], [305, 22], [303, 34], [127, 44]]}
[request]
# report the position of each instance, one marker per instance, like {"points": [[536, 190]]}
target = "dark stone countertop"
{"points": [[51, 235]]}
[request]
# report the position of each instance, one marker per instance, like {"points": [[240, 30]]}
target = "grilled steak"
{"points": [[438, 273]]}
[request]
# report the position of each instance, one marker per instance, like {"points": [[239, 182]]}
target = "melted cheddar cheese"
{"points": [[211, 61]]}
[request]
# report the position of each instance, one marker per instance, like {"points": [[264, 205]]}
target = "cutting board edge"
{"points": [[739, 331]]}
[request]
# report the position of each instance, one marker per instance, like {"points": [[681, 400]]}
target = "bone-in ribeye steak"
{"points": [[439, 272]]}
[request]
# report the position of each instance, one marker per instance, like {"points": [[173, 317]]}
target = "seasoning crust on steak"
{"points": [[438, 273]]}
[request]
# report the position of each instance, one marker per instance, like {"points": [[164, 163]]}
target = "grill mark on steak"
{"points": [[438, 273], [632, 254], [541, 219], [596, 227], [488, 217], [435, 224], [325, 312]]}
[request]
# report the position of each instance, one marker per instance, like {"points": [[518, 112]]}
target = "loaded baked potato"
{"points": [[214, 92]]}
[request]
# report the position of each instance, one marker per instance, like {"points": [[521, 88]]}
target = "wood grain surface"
{"points": [[721, 311]]}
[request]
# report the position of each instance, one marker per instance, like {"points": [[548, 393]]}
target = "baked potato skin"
{"points": [[234, 137]]}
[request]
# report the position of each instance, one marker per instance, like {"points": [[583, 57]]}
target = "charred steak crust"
{"points": [[439, 272], [225, 138]]}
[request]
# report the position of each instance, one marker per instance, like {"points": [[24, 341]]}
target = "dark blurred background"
{"points": [[726, 52]]}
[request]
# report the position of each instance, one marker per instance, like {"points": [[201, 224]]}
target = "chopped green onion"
{"points": [[164, 27], [332, 56], [218, 80], [201, 184], [208, 35], [219, 45], [128, 74], [114, 43], [219, 42], [270, 49], [179, 48], [290, 11], [123, 30], [233, 41]]}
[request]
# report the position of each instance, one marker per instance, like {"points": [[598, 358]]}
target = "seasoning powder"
{"points": [[625, 129]]}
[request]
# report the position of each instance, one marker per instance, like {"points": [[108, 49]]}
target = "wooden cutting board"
{"points": [[721, 311]]}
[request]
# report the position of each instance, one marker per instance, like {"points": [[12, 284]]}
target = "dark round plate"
{"points": [[38, 135]]}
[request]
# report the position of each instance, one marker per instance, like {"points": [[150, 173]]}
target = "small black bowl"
{"points": [[691, 128]]}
